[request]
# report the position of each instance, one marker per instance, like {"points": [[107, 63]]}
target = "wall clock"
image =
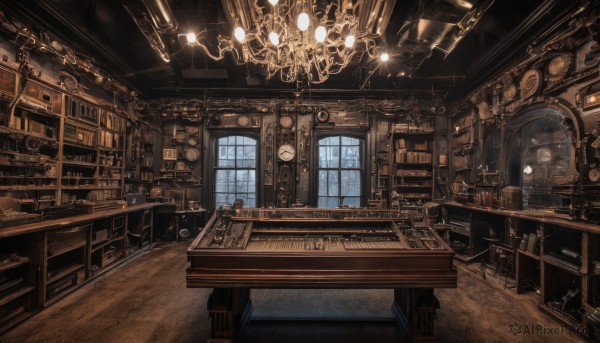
{"points": [[530, 83], [286, 152]]}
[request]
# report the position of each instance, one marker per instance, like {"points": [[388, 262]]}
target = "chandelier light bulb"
{"points": [[240, 34], [349, 41], [274, 38], [320, 34], [384, 57], [191, 38], [273, 2], [303, 21]]}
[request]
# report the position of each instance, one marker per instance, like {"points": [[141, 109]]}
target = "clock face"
{"points": [[286, 152]]}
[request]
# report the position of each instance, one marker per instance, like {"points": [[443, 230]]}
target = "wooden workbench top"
{"points": [[538, 216], [72, 220]]}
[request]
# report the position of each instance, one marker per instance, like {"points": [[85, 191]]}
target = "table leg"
{"points": [[229, 310], [414, 310]]}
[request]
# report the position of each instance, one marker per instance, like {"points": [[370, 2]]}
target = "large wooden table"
{"points": [[312, 248]]}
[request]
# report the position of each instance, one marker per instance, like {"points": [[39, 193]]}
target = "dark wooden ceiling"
{"points": [[105, 30]]}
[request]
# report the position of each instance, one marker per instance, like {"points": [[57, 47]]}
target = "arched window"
{"points": [[339, 172], [540, 155], [235, 170]]}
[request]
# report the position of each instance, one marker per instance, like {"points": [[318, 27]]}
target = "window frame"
{"points": [[362, 168], [215, 165]]}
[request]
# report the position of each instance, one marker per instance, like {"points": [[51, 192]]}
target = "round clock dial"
{"points": [[71, 84], [559, 66], [530, 83], [286, 122], [286, 152]]}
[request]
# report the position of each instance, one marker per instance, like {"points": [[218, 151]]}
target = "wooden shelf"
{"points": [[28, 188], [528, 254], [14, 295], [102, 244], [67, 249], [559, 315], [465, 231], [79, 188], [80, 146], [65, 272], [574, 269], [427, 164], [21, 260], [79, 164], [20, 177], [414, 133]]}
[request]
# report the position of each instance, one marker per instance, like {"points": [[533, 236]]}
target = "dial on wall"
{"points": [[286, 152]]}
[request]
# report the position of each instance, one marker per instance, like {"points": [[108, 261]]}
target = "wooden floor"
{"points": [[147, 301]]}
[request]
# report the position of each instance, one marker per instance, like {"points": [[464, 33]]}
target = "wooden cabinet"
{"points": [[556, 258], [63, 261], [40, 263], [463, 147], [17, 284], [57, 148], [412, 174]]}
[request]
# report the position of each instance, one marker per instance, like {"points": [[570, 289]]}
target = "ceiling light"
{"points": [[303, 21], [320, 34], [267, 38], [274, 38], [240, 34], [384, 57], [191, 38], [349, 43]]}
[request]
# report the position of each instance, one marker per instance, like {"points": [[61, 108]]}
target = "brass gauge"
{"points": [[594, 174], [243, 121], [530, 83], [509, 92], [558, 67], [286, 122]]}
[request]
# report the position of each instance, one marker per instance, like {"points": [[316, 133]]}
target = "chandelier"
{"points": [[301, 39]]}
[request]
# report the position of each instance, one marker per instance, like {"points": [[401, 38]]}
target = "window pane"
{"points": [[352, 201], [322, 182], [350, 182], [349, 141], [328, 202], [350, 157], [332, 181]]}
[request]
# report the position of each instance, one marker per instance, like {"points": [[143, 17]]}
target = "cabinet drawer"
{"points": [[65, 240]]}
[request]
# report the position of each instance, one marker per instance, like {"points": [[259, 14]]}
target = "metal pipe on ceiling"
{"points": [[160, 15]]}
